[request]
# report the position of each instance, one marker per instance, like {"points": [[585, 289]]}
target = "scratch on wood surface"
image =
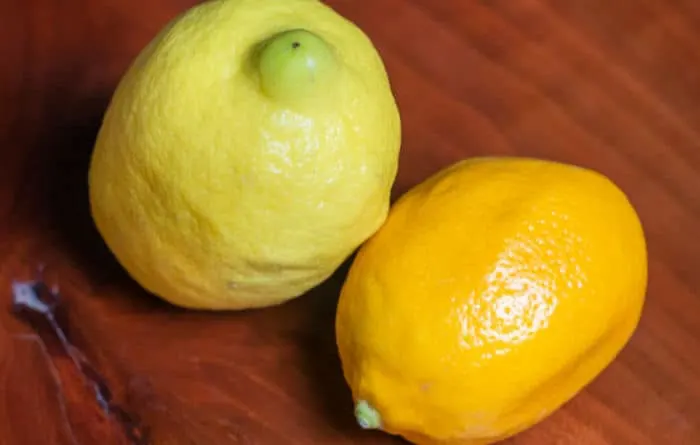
{"points": [[34, 338], [37, 304]]}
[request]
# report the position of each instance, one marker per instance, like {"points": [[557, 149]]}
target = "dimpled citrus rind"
{"points": [[495, 291], [214, 194]]}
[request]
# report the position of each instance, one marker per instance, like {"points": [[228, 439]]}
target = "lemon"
{"points": [[246, 153], [496, 290]]}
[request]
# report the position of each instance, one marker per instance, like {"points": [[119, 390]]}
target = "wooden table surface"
{"points": [[611, 85]]}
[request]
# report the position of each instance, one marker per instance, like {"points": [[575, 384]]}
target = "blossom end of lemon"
{"points": [[367, 416]]}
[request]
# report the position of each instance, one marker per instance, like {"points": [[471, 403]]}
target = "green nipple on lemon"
{"points": [[296, 64], [246, 153]]}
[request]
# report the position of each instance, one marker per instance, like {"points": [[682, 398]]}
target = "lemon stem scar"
{"points": [[295, 64], [367, 417]]}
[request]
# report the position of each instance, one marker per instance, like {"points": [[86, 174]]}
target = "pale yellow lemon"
{"points": [[247, 151], [496, 290]]}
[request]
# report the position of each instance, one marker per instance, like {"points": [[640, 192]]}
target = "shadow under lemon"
{"points": [[59, 168]]}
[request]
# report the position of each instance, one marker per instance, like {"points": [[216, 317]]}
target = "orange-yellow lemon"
{"points": [[495, 291]]}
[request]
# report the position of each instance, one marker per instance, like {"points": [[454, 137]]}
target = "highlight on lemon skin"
{"points": [[321, 92], [367, 416], [488, 324], [293, 63]]}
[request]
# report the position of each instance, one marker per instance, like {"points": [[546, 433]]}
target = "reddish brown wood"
{"points": [[610, 85]]}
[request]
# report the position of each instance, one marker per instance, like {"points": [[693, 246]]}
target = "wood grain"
{"points": [[614, 86]]}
